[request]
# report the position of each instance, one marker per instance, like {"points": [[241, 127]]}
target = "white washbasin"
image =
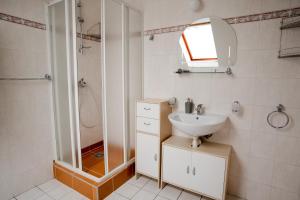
{"points": [[197, 125]]}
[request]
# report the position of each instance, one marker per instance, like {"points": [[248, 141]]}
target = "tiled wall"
{"points": [[265, 162], [89, 68], [26, 151]]}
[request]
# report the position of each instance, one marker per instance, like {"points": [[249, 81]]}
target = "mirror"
{"points": [[209, 44]]}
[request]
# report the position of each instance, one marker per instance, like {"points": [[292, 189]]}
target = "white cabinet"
{"points": [[147, 154], [202, 170], [152, 127], [208, 174], [176, 165]]}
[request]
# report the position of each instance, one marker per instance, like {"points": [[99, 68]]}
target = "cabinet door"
{"points": [[208, 174], [147, 154], [176, 166]]}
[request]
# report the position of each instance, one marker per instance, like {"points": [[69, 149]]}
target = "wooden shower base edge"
{"points": [[88, 187]]}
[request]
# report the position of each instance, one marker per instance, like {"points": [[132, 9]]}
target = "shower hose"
{"points": [[82, 121]]}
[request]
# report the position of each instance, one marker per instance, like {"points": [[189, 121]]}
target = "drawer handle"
{"points": [[147, 108], [188, 169], [194, 171], [148, 124], [155, 157]]}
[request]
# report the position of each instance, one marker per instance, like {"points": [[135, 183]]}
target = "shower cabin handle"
{"points": [[155, 157], [194, 171], [188, 169]]}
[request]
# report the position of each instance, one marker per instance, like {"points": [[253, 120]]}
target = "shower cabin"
{"points": [[95, 53]]}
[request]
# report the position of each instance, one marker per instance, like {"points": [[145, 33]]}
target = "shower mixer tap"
{"points": [[80, 20], [82, 47], [82, 83]]}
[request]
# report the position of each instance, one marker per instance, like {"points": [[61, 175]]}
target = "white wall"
{"points": [[26, 151], [265, 162], [89, 68]]}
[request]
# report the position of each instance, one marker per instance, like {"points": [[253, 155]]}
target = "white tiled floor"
{"points": [[135, 189], [146, 189], [52, 190]]}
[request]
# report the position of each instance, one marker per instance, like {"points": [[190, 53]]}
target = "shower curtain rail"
{"points": [[45, 77]]}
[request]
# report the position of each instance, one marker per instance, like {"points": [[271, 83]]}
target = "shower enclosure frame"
{"points": [[73, 89], [51, 65]]}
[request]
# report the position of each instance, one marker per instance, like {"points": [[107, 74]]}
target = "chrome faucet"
{"points": [[199, 109]]}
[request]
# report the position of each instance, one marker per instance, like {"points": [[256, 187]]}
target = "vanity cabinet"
{"points": [[152, 128], [202, 170]]}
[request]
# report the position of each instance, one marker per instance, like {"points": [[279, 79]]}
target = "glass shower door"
{"points": [[122, 79], [113, 84], [134, 73], [121, 60], [59, 34]]}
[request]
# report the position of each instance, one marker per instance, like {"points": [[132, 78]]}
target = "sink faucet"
{"points": [[199, 109]]}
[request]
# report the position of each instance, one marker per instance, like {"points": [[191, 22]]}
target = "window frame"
{"points": [[188, 48]]}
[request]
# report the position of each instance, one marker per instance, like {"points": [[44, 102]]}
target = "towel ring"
{"points": [[279, 110]]}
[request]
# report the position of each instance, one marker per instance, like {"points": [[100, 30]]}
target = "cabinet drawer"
{"points": [[147, 125], [148, 110]]}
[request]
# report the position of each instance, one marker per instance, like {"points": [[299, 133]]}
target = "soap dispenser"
{"points": [[189, 106]]}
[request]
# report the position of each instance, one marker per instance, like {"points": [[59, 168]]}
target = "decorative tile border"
{"points": [[166, 30], [234, 20], [33, 24], [25, 22], [89, 37]]}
